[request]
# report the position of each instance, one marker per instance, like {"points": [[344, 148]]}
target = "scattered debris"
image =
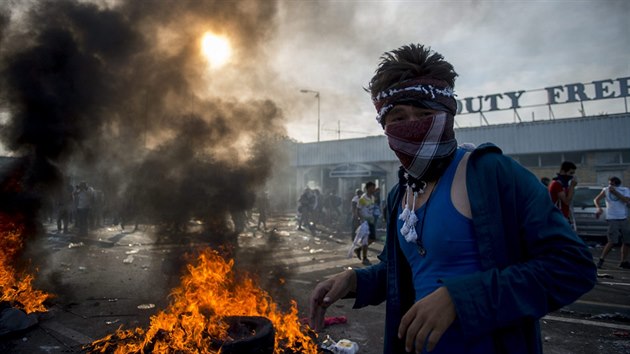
{"points": [[622, 334], [329, 321], [50, 348], [128, 260], [611, 316], [605, 275], [75, 245], [133, 251], [316, 250], [146, 306], [344, 346], [112, 322]]}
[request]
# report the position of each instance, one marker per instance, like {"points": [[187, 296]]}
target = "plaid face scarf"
{"points": [[421, 146], [418, 143]]}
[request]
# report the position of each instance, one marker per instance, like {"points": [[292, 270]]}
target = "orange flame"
{"points": [[16, 288], [209, 292]]}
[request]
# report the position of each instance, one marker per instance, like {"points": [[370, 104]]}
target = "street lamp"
{"points": [[318, 118]]}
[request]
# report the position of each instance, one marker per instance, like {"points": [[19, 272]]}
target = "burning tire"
{"points": [[250, 334]]}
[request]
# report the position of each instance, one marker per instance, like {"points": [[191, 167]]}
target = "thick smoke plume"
{"points": [[118, 94]]}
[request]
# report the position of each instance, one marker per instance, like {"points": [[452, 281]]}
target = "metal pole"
{"points": [[338, 130], [318, 117], [318, 111]]}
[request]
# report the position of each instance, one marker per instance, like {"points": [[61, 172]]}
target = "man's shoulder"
{"points": [[486, 148], [484, 154], [555, 186], [625, 191], [487, 157]]}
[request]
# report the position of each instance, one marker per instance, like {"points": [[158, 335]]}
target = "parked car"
{"points": [[587, 224]]}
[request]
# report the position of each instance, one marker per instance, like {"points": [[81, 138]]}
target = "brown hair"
{"points": [[410, 62]]}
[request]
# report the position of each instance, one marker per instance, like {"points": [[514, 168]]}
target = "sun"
{"points": [[216, 49]]}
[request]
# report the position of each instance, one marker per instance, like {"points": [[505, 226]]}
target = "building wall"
{"points": [[599, 145]]}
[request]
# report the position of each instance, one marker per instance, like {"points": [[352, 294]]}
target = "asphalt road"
{"points": [[101, 281]]}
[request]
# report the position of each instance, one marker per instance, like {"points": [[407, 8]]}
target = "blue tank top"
{"points": [[451, 250]]}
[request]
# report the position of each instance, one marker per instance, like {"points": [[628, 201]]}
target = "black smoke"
{"points": [[116, 94]]}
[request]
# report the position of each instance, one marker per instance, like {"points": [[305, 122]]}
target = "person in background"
{"points": [[475, 253], [84, 199], [263, 209], [377, 207], [545, 181], [332, 202], [305, 208], [64, 207], [561, 189], [318, 207], [365, 212], [617, 202], [354, 210]]}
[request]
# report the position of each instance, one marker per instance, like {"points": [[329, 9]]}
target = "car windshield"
{"points": [[583, 198]]}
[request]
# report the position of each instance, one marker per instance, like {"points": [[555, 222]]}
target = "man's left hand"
{"points": [[427, 320]]}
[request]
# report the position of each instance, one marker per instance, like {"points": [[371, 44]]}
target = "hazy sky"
{"points": [[333, 47], [496, 46]]}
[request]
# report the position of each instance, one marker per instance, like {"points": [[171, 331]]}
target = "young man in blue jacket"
{"points": [[476, 253]]}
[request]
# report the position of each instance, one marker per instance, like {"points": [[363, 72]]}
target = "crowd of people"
{"points": [[316, 208], [80, 206]]}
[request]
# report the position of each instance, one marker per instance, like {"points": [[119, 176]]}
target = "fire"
{"points": [[209, 292], [16, 288]]}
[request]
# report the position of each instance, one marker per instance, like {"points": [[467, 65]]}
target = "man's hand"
{"points": [[574, 182], [427, 320], [326, 293], [598, 212]]}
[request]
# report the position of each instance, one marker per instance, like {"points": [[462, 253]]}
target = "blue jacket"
{"points": [[532, 261]]}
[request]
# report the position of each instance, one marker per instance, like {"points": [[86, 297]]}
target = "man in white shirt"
{"points": [[617, 202]]}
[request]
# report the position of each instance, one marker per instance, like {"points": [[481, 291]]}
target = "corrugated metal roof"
{"points": [[369, 149], [611, 132], [560, 135]]}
